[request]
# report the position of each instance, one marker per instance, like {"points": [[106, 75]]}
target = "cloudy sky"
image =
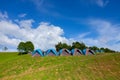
{"points": [[47, 22]]}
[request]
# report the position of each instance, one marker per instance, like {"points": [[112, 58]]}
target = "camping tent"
{"points": [[76, 52], [88, 52], [38, 52], [51, 52], [99, 51], [64, 52]]}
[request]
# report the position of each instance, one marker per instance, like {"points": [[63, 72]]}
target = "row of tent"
{"points": [[63, 52]]}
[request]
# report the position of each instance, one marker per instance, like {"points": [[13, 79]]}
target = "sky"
{"points": [[47, 22]]}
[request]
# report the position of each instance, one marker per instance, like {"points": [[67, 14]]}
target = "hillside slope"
{"points": [[93, 67]]}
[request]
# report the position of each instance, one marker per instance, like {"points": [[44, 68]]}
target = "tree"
{"points": [[78, 45], [102, 48], [94, 48], [25, 47], [74, 45], [29, 47], [62, 45], [5, 48], [58, 46], [108, 50], [21, 48]]}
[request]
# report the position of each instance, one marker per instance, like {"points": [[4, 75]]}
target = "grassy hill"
{"points": [[92, 67]]}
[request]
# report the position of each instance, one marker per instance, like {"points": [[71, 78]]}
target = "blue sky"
{"points": [[47, 22]]}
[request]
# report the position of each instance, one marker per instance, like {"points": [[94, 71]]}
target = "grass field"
{"points": [[104, 66]]}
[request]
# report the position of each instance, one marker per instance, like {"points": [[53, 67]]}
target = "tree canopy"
{"points": [[80, 45], [5, 48], [25, 47], [62, 45], [74, 45]]}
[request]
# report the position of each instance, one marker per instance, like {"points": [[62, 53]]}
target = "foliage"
{"points": [[62, 45], [74, 45], [21, 47], [108, 50], [78, 45], [29, 46], [25, 47], [5, 48], [81, 45], [94, 48]]}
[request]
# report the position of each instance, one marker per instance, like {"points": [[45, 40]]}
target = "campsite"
{"points": [[59, 39], [62, 52], [64, 62], [102, 66]]}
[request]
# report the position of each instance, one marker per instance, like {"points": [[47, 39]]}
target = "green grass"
{"points": [[92, 67]]}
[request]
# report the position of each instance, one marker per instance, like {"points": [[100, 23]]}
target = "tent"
{"points": [[38, 52], [51, 52], [88, 52], [64, 52], [99, 51], [76, 52]]}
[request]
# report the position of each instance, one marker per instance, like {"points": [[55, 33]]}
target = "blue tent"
{"points": [[99, 51], [51, 52], [38, 51], [88, 51], [76, 52], [64, 52]]}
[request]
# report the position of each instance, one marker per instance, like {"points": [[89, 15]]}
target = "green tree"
{"points": [[25, 47], [102, 48], [107, 50], [94, 48], [5, 48], [78, 45], [62, 45], [29, 47], [58, 46], [21, 47]]}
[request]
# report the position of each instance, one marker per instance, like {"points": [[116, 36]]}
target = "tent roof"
{"points": [[78, 50], [51, 50], [66, 50], [39, 51], [89, 51]]}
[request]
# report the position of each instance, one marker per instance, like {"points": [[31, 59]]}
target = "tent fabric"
{"points": [[99, 51], [76, 52], [88, 51], [38, 51], [64, 52], [53, 51]]}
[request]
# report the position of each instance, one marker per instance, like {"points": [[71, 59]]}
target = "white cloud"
{"points": [[108, 34], [47, 35], [44, 36], [102, 3], [22, 15], [27, 24], [106, 29], [83, 35]]}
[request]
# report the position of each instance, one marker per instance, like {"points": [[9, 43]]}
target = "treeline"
{"points": [[81, 46], [28, 46]]}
